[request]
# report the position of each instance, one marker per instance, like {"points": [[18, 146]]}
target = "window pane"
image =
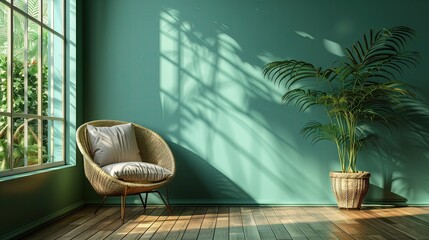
{"points": [[32, 68], [4, 19], [53, 14], [4, 148], [25, 144], [25, 65], [53, 141], [53, 56], [20, 4], [18, 84], [28, 6], [32, 142], [3, 84], [19, 158]]}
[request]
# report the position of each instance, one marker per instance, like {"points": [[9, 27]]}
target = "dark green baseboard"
{"points": [[41, 222]]}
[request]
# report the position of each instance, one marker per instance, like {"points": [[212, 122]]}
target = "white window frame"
{"points": [[10, 114]]}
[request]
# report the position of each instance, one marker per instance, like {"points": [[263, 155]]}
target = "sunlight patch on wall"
{"points": [[304, 35], [208, 96], [333, 47]]}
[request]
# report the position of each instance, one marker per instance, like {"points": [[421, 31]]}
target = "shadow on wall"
{"points": [[195, 182], [215, 104], [198, 181], [403, 162]]}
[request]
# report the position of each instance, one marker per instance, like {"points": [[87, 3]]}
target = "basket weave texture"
{"points": [[350, 188], [153, 149]]}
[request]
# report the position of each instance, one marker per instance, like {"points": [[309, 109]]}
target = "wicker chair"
{"points": [[153, 149]]}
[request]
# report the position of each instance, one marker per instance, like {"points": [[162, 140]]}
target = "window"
{"points": [[32, 83]]}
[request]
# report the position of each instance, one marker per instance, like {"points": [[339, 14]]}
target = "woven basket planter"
{"points": [[350, 188]]}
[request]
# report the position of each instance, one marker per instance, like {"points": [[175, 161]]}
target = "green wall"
{"points": [[29, 201], [191, 70]]}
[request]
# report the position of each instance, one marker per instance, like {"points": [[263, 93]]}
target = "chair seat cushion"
{"points": [[113, 144], [140, 172]]}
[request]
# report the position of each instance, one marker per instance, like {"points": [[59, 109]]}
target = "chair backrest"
{"points": [[152, 147]]}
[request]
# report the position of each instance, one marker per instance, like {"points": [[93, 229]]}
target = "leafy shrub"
{"points": [[18, 89]]}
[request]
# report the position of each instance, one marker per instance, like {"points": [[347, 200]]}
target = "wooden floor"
{"points": [[237, 222]]}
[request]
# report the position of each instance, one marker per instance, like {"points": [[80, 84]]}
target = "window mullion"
{"points": [[40, 87], [25, 63], [9, 87], [63, 96]]}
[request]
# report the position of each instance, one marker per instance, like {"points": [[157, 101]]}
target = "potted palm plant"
{"points": [[361, 90]]}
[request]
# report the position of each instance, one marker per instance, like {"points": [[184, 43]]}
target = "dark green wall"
{"points": [[29, 201], [191, 70]]}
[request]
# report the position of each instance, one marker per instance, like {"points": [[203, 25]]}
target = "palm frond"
{"points": [[302, 98], [33, 8], [319, 132], [289, 72], [383, 50], [367, 139]]}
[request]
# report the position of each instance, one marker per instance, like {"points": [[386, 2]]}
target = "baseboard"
{"points": [[263, 202], [39, 223]]}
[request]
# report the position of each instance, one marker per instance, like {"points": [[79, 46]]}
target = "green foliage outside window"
{"points": [[19, 150]]}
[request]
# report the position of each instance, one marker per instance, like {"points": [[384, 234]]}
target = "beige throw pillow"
{"points": [[113, 144], [141, 172]]}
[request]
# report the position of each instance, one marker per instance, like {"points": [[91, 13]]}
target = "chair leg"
{"points": [[166, 203], [167, 197], [99, 206], [144, 202], [123, 204]]}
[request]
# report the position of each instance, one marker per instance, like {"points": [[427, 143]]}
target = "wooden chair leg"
{"points": [[123, 204]]}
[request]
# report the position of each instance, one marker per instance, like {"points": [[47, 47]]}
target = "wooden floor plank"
{"points": [[142, 226], [181, 224], [249, 224], [384, 225], [60, 226], [99, 227], [209, 224], [323, 226], [276, 225], [222, 224], [130, 213], [364, 227], [403, 223], [168, 223], [94, 220], [294, 231], [194, 225], [236, 230], [262, 224], [416, 213], [297, 216], [240, 222], [128, 226], [151, 227]]}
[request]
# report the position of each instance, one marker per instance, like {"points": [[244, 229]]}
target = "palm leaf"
{"points": [[319, 132], [289, 72]]}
